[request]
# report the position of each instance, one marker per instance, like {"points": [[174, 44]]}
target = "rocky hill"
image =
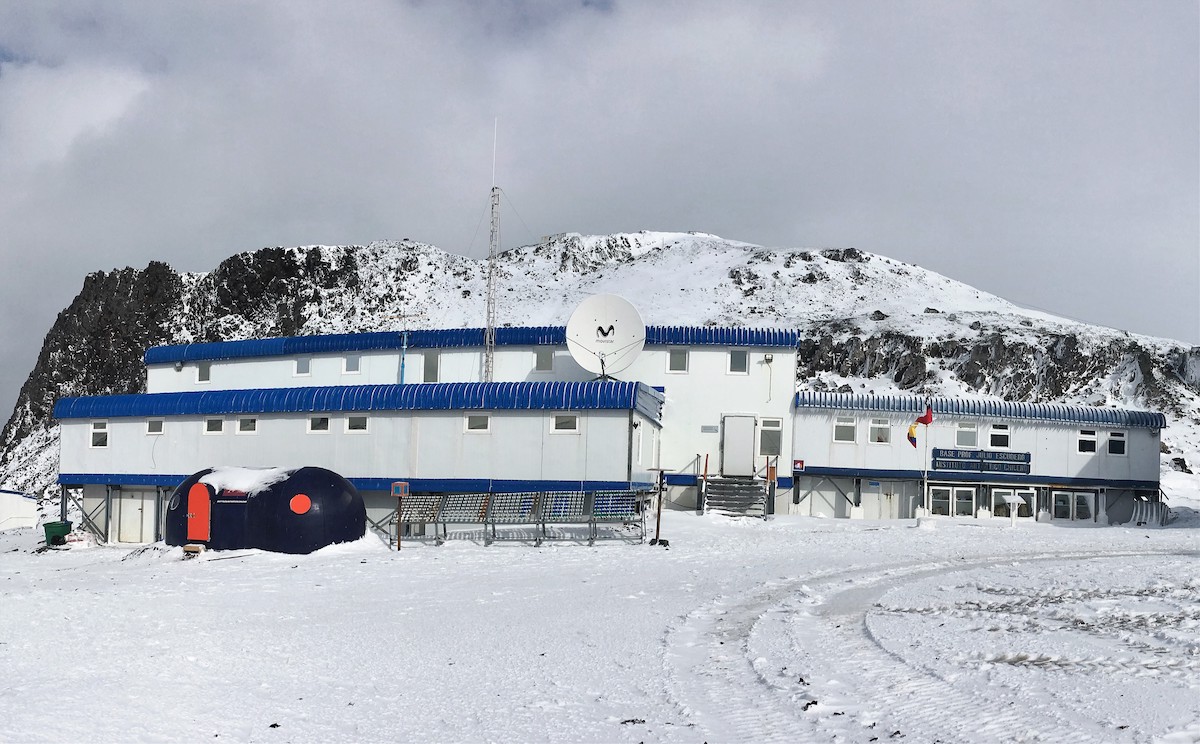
{"points": [[867, 322]]}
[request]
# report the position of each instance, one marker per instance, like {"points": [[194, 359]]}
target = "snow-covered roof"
{"points": [[594, 395], [973, 408], [453, 338]]}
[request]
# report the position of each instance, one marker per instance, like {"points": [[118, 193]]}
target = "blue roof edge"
{"points": [[594, 395], [452, 338], [963, 407]]}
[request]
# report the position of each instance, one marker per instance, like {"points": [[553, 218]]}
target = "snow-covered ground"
{"points": [[794, 629]]}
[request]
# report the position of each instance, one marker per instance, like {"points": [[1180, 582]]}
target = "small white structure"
{"points": [[976, 458], [17, 509]]}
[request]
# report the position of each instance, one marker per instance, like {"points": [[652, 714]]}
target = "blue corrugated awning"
{"points": [[596, 395], [452, 338], [963, 407]]}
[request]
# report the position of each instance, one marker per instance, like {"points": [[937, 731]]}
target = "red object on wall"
{"points": [[300, 503]]}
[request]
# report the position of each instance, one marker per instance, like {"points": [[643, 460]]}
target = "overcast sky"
{"points": [[1043, 151]]}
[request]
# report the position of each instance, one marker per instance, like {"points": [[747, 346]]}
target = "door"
{"points": [[737, 445], [135, 516], [964, 502], [939, 501], [199, 513]]}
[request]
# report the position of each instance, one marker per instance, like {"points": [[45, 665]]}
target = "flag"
{"points": [[912, 434], [927, 419]]}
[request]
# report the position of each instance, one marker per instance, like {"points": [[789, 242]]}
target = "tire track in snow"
{"points": [[787, 662]]}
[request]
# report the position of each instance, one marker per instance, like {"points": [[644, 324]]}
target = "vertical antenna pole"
{"points": [[489, 333]]}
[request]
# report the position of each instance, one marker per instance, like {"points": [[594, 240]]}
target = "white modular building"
{"points": [[698, 401], [852, 456], [125, 452], [727, 391]]}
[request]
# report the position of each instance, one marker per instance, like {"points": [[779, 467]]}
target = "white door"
{"points": [[135, 516], [737, 445]]}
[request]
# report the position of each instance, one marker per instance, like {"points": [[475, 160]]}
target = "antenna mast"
{"points": [[489, 333]]}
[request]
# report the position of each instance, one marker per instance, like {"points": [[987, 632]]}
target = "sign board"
{"points": [[709, 429], [980, 461], [797, 464]]}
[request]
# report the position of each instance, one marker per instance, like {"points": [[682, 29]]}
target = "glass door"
{"points": [[939, 501], [964, 502]]}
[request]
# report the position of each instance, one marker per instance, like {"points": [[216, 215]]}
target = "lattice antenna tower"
{"points": [[489, 333]]}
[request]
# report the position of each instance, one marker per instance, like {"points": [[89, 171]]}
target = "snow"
{"points": [[246, 480], [793, 629]]}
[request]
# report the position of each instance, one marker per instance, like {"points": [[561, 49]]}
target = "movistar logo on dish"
{"points": [[605, 333]]}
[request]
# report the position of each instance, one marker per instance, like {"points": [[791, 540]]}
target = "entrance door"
{"points": [[1077, 505], [134, 510], [964, 502], [1005, 500], [939, 501], [737, 445], [199, 513]]}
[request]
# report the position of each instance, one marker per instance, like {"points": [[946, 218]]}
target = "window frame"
{"points": [[840, 422], [996, 430], [573, 415], [543, 359], [487, 421], [963, 427], [1084, 437], [237, 427], [98, 427], [208, 432], [311, 429], [775, 426], [366, 421], [307, 361], [1114, 437], [357, 358], [876, 424], [162, 426], [729, 370], [434, 357], [687, 361], [203, 372]]}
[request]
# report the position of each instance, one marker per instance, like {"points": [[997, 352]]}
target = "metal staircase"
{"points": [[736, 497]]}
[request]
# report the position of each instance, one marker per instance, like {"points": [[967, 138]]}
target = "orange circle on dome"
{"points": [[301, 503]]}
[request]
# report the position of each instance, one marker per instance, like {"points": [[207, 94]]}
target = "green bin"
{"points": [[56, 532]]}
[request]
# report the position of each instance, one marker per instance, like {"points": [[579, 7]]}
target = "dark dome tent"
{"points": [[284, 511]]}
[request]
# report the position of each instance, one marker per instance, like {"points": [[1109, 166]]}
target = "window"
{"points": [[739, 362], [1087, 440], [881, 431], [356, 424], [431, 366], [770, 437], [677, 360], [303, 367], [1116, 443], [318, 424], [247, 426], [966, 435], [214, 426], [351, 364], [203, 371], [999, 436], [543, 360], [843, 429], [154, 426], [479, 422], [567, 423], [99, 433]]}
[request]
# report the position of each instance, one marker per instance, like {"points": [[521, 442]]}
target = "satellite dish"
{"points": [[605, 334]]}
